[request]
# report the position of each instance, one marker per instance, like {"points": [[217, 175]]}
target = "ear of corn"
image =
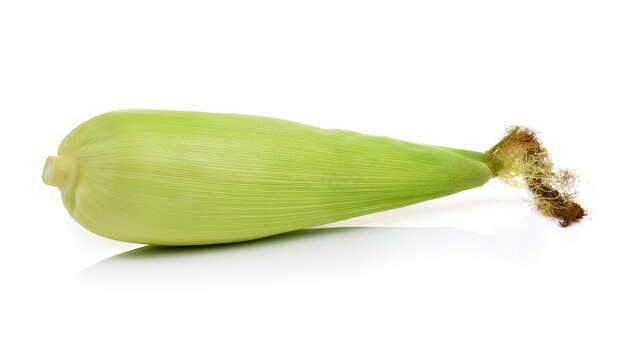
{"points": [[188, 178]]}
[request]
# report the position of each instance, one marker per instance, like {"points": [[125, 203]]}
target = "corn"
{"points": [[189, 178]]}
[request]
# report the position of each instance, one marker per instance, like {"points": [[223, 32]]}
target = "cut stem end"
{"points": [[59, 172], [48, 170]]}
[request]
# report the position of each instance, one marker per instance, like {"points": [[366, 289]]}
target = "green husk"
{"points": [[189, 178]]}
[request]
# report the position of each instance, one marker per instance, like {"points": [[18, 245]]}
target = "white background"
{"points": [[480, 265]]}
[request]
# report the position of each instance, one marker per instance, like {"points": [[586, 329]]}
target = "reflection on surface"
{"points": [[313, 252]]}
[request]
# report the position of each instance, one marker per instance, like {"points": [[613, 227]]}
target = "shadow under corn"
{"points": [[316, 252]]}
